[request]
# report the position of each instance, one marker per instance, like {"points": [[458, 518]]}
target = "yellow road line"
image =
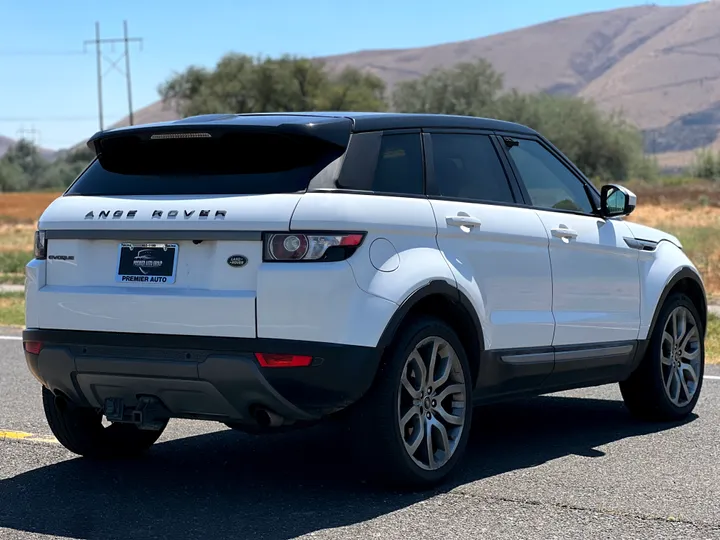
{"points": [[23, 436]]}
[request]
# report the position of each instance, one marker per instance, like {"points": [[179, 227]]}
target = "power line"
{"points": [[40, 53], [51, 118], [98, 42]]}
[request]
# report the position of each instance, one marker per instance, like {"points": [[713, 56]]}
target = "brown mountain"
{"points": [[659, 65]]}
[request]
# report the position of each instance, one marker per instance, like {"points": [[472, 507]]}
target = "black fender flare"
{"points": [[684, 273], [435, 287]]}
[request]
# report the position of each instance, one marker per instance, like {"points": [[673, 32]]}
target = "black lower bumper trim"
{"points": [[201, 377]]}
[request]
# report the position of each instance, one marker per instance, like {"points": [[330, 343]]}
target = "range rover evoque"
{"points": [[392, 271]]}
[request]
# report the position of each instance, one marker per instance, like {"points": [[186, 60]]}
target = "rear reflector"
{"points": [[283, 360], [33, 347]]}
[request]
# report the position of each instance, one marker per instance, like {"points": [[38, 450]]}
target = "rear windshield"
{"points": [[234, 164]]}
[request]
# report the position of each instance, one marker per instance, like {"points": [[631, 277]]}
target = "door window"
{"points": [[468, 167], [549, 183]]}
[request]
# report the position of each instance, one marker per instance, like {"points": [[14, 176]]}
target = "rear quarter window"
{"points": [[399, 166]]}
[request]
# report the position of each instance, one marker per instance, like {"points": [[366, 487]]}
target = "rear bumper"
{"points": [[201, 377]]}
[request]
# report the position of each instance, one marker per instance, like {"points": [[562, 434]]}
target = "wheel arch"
{"points": [[440, 299], [686, 281]]}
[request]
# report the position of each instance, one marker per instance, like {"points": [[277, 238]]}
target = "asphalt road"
{"points": [[572, 465]]}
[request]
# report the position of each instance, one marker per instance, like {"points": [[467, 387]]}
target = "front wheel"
{"points": [[413, 426], [666, 386], [81, 431]]}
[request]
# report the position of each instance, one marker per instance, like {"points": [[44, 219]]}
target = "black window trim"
{"points": [[564, 160], [432, 189]]}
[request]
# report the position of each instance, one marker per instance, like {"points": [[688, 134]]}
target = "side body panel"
{"points": [[657, 270], [596, 283], [503, 267], [398, 256]]}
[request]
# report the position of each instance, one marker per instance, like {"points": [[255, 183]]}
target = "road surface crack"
{"points": [[602, 511]]}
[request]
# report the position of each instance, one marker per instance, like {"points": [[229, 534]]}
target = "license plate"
{"points": [[147, 263]]}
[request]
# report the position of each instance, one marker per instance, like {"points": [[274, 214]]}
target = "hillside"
{"points": [[659, 65]]}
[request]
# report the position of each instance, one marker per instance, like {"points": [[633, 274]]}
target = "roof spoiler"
{"points": [[335, 130]]}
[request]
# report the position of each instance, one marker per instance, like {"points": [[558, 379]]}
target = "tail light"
{"points": [[283, 360], [40, 245], [308, 247], [32, 347]]}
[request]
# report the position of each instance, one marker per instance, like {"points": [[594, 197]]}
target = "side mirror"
{"points": [[616, 201]]}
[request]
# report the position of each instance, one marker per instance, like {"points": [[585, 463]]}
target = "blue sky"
{"points": [[48, 84]]}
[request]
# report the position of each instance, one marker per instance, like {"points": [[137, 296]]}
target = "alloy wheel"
{"points": [[431, 403], [681, 356]]}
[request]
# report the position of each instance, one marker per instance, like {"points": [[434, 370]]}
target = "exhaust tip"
{"points": [[267, 418], [262, 417]]}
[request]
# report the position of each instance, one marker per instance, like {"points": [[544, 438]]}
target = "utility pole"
{"points": [[127, 72], [34, 134], [98, 42]]}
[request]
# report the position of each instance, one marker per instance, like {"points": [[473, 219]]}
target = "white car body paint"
{"points": [[596, 286], [503, 267], [529, 288]]}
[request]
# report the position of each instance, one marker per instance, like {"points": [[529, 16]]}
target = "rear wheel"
{"points": [[412, 427], [666, 385], [81, 431]]}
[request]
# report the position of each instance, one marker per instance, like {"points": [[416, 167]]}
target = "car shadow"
{"points": [[230, 485]]}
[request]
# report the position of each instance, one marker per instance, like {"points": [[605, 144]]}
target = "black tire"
{"points": [[644, 392], [376, 434], [80, 430]]}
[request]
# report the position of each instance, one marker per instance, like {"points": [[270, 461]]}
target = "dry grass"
{"points": [[698, 229], [24, 208], [12, 309], [19, 213], [676, 217], [17, 237]]}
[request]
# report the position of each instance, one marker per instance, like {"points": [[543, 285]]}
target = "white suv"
{"points": [[391, 270]]}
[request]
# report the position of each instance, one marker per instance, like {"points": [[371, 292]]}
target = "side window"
{"points": [[549, 182], [468, 167], [400, 165]]}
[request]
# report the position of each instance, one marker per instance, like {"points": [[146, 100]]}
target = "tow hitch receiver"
{"points": [[149, 414], [114, 409]]}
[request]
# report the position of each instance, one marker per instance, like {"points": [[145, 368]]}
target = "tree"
{"points": [[706, 164], [12, 177], [242, 84], [65, 169], [469, 88], [24, 155], [604, 146]]}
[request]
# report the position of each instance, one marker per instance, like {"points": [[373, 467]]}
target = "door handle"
{"points": [[463, 221], [564, 232]]}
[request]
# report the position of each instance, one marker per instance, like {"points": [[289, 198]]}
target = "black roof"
{"points": [[360, 121], [375, 121]]}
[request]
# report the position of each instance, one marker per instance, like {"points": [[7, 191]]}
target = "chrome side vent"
{"points": [[642, 245]]}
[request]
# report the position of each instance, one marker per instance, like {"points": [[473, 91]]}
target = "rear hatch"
{"points": [[163, 232]]}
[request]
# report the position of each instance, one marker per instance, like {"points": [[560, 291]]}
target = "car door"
{"points": [[595, 274], [497, 250]]}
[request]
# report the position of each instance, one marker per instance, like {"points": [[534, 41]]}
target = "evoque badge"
{"points": [[237, 261]]}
